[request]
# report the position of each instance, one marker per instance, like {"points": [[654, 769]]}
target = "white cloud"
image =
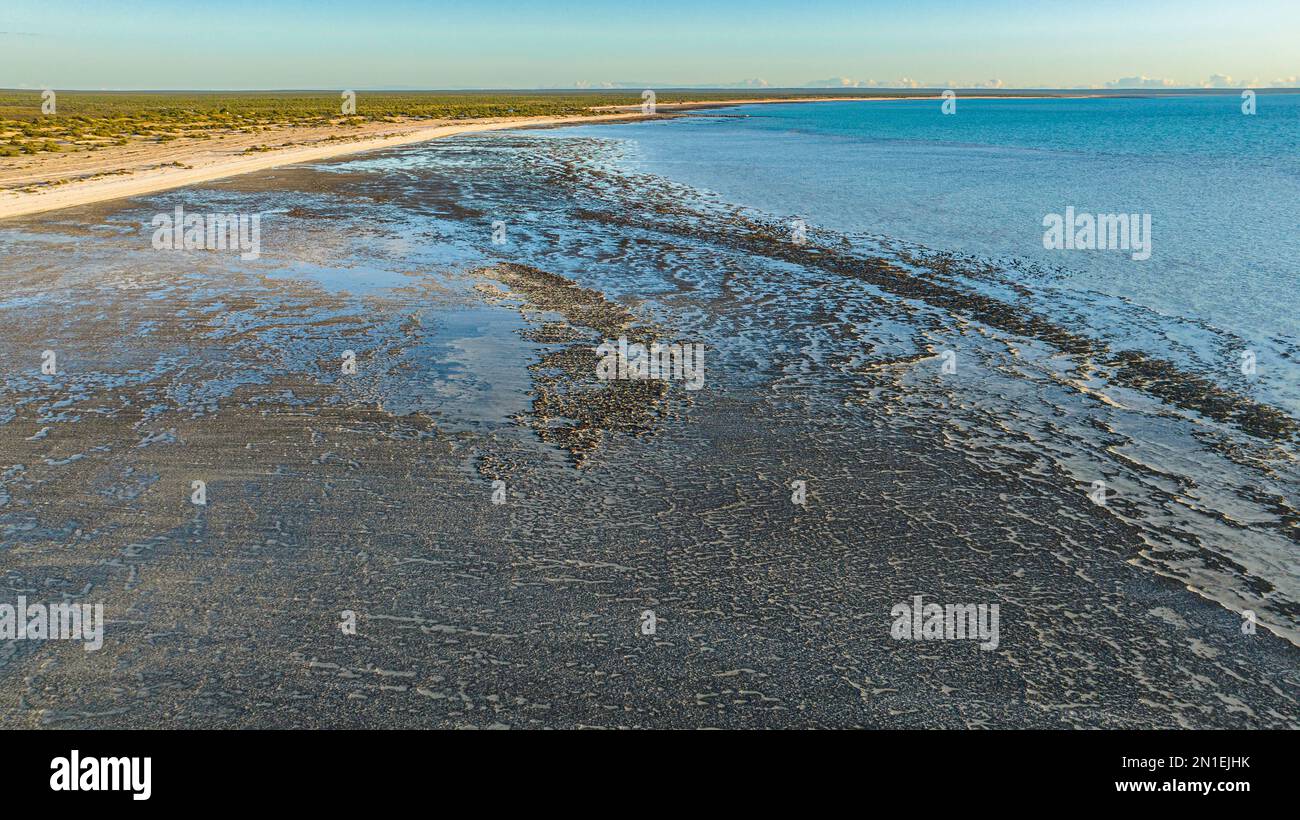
{"points": [[1222, 81], [835, 82], [903, 82], [1142, 81], [756, 82]]}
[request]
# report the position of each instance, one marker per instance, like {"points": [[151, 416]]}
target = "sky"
{"points": [[371, 44]]}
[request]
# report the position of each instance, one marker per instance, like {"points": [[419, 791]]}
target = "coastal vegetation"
{"points": [[87, 120]]}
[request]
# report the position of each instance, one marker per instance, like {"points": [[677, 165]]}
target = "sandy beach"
{"points": [[47, 182]]}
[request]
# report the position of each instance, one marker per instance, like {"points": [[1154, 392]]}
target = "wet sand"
{"points": [[372, 493]]}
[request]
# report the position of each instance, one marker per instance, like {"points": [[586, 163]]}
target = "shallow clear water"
{"points": [[974, 483], [1222, 188]]}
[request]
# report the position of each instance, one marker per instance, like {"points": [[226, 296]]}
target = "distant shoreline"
{"points": [[82, 178]]}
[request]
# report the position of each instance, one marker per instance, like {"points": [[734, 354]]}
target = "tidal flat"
{"points": [[336, 497]]}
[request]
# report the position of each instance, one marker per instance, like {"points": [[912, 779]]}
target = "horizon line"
{"points": [[849, 91]]}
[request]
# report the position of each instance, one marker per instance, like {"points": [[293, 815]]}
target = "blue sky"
{"points": [[237, 44]]}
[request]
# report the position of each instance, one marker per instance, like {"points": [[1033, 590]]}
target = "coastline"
{"points": [[87, 178], [372, 492], [161, 175]]}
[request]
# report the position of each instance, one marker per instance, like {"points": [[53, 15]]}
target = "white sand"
{"points": [[209, 164], [141, 169]]}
